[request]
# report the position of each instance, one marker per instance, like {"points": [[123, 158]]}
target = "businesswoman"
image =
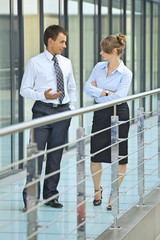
{"points": [[109, 80]]}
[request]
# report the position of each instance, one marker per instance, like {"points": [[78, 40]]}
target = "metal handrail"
{"points": [[61, 116], [81, 158]]}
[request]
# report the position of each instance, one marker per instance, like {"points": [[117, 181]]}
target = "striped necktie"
{"points": [[59, 77]]}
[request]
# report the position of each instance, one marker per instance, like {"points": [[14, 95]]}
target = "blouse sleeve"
{"points": [[122, 89], [89, 88]]}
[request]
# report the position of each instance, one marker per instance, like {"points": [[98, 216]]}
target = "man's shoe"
{"points": [[54, 204]]}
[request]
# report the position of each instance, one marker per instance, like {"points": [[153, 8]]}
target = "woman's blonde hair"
{"points": [[114, 41]]}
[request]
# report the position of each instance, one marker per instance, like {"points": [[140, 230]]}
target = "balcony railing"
{"points": [[33, 226]]}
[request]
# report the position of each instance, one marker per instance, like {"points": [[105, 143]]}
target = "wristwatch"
{"points": [[107, 92]]}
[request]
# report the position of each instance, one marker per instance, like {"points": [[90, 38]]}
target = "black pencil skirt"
{"points": [[102, 120]]}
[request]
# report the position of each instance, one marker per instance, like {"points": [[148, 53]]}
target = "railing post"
{"points": [[81, 230], [140, 141], [114, 168], [159, 139], [32, 191]]}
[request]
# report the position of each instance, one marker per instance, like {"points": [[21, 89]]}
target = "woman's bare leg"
{"points": [[96, 168], [121, 173]]}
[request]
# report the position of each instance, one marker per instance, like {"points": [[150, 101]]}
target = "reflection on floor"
{"points": [[98, 218]]}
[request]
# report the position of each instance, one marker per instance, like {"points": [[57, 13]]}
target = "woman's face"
{"points": [[106, 56]]}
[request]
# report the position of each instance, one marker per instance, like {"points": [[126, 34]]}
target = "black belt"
{"points": [[52, 104]]}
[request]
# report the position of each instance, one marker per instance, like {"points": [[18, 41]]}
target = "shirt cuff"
{"points": [[98, 92], [42, 96], [72, 107]]}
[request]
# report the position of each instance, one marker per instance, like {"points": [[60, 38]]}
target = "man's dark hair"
{"points": [[53, 31]]}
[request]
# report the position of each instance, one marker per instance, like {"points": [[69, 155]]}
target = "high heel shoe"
{"points": [[109, 207], [98, 202]]}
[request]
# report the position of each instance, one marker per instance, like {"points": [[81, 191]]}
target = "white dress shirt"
{"points": [[40, 76]]}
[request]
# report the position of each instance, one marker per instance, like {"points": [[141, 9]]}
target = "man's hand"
{"points": [[49, 95]]}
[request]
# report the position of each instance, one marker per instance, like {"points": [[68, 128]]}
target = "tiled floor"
{"points": [[158, 238], [11, 206]]}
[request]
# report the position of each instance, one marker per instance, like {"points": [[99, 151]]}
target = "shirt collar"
{"points": [[49, 55], [119, 69]]}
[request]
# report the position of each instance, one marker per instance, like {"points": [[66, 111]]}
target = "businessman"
{"points": [[49, 81]]}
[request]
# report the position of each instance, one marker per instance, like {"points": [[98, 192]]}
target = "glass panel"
{"points": [[15, 52], [51, 12], [116, 16], [31, 47], [105, 19], [5, 96], [148, 55], [129, 35], [9, 80], [74, 55], [129, 45], [74, 37], [31, 29], [138, 46], [15, 82], [155, 55], [88, 53], [137, 52], [88, 44], [5, 82]]}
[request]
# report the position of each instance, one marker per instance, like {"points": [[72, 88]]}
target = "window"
{"points": [[155, 55], [148, 55]]}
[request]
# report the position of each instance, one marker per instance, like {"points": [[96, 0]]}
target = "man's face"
{"points": [[57, 46]]}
